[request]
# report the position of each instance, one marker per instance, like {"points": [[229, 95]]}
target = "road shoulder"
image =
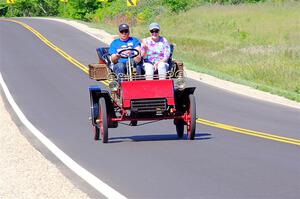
{"points": [[28, 174]]}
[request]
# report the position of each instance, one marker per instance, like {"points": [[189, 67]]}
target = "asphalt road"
{"points": [[149, 161]]}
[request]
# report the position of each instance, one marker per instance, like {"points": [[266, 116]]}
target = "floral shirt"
{"points": [[156, 51]]}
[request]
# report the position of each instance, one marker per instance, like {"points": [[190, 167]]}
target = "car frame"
{"points": [[131, 97]]}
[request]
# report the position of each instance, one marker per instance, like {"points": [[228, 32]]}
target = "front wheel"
{"points": [[179, 128], [191, 123], [96, 132], [103, 125]]}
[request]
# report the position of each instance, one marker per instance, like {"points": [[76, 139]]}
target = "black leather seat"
{"points": [[103, 54]]}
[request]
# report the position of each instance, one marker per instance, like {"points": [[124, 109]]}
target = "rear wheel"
{"points": [[103, 125], [133, 123], [191, 124], [179, 128]]}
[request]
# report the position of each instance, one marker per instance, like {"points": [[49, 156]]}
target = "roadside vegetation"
{"points": [[250, 42], [254, 44]]}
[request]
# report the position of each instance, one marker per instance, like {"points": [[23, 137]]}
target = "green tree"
{"points": [[24, 8], [79, 9], [177, 5], [3, 9], [27, 8], [49, 7]]}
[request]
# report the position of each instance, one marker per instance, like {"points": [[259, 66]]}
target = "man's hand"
{"points": [[114, 57], [137, 59]]}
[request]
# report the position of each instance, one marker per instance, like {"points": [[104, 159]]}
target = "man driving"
{"points": [[125, 41]]}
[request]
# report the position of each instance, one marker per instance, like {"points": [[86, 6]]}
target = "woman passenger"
{"points": [[156, 51]]}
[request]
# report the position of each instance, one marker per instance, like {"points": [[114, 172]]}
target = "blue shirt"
{"points": [[117, 45]]}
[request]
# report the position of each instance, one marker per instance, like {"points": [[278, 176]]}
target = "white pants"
{"points": [[162, 70]]}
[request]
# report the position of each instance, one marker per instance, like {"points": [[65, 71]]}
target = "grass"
{"points": [[253, 44]]}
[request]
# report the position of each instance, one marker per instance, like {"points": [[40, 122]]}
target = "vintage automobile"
{"points": [[131, 97]]}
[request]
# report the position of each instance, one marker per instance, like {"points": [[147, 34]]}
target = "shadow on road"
{"points": [[163, 137]]}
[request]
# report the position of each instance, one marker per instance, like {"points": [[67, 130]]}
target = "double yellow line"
{"points": [[51, 45], [249, 132], [199, 120]]}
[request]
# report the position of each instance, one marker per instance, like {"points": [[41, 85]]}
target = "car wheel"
{"points": [[179, 128], [191, 125], [96, 132], [103, 125], [133, 123]]}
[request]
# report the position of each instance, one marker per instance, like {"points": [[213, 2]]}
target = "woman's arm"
{"points": [[144, 48]]}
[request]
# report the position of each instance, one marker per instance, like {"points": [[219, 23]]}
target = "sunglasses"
{"points": [[124, 31], [154, 31]]}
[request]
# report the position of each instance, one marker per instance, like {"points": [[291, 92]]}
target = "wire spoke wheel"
{"points": [[191, 123], [103, 125]]}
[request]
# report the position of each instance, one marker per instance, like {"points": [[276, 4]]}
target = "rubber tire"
{"points": [[192, 112], [103, 125], [96, 133], [179, 128], [133, 123]]}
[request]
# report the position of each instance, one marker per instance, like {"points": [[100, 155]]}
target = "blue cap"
{"points": [[154, 26]]}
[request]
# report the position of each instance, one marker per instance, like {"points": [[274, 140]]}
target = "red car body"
{"points": [[147, 89]]}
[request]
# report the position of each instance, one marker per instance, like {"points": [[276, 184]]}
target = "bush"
{"points": [[30, 8], [115, 10], [176, 5], [25, 8], [109, 10], [79, 9], [3, 9], [50, 6]]}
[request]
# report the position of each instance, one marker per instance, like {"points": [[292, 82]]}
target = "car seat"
{"points": [[170, 58], [103, 54]]}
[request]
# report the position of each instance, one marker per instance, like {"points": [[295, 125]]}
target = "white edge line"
{"points": [[99, 185]]}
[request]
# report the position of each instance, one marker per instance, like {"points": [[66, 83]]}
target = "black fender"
{"points": [[182, 98], [95, 93]]}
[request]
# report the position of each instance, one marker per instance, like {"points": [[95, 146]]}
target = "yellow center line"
{"points": [[249, 132], [199, 120], [51, 45]]}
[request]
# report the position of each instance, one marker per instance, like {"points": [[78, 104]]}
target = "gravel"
{"points": [[25, 172]]}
